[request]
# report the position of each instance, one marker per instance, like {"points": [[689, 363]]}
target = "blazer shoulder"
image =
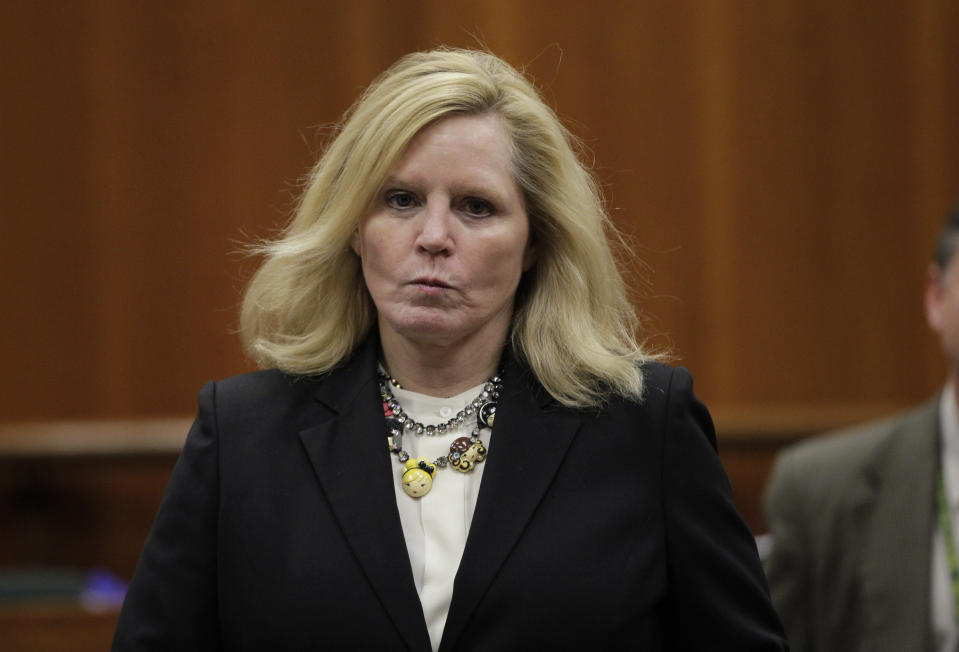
{"points": [[254, 390], [660, 378], [670, 402], [262, 379]]}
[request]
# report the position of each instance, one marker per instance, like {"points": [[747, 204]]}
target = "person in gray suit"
{"points": [[862, 521]]}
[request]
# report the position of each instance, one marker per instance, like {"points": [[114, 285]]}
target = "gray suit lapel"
{"points": [[897, 537]]}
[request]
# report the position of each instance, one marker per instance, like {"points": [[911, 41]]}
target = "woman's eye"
{"points": [[477, 207], [400, 199]]}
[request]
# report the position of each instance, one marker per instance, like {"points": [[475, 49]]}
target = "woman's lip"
{"points": [[430, 282]]}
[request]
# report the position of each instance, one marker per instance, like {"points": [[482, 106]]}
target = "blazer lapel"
{"points": [[350, 458], [897, 551], [528, 447]]}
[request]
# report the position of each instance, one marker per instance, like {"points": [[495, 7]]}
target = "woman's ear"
{"points": [[529, 256], [356, 242], [934, 298]]}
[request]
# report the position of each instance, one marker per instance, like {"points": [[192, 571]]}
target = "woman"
{"points": [[456, 442]]}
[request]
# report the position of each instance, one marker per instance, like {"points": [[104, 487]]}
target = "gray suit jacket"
{"points": [[852, 519]]}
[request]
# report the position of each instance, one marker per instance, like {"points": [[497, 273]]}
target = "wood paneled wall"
{"points": [[782, 168]]}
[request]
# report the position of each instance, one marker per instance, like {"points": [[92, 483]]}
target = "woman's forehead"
{"points": [[472, 151]]}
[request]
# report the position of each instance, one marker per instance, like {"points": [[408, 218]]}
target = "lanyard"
{"points": [[945, 524]]}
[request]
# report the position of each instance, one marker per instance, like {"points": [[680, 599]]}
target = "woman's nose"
{"points": [[434, 236]]}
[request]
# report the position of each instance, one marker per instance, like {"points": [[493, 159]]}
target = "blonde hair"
{"points": [[307, 307]]}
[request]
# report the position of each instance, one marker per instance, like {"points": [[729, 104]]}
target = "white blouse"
{"points": [[436, 525]]}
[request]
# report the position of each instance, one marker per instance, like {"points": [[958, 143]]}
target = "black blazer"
{"points": [[596, 530]]}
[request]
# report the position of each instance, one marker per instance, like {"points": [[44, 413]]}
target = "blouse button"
{"points": [[445, 412]]}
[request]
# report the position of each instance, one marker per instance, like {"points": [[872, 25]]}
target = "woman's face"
{"points": [[448, 238]]}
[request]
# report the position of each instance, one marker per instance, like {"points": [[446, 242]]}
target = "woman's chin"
{"points": [[434, 325], [426, 326]]}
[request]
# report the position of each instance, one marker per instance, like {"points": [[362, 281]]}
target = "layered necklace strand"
{"points": [[464, 452]]}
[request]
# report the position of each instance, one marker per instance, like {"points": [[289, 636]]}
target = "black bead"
{"points": [[485, 413]]}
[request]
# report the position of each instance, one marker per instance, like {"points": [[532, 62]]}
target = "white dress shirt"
{"points": [[944, 629], [435, 526]]}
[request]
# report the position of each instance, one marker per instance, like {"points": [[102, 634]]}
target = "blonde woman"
{"points": [[445, 305]]}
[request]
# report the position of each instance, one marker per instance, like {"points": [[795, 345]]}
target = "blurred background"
{"points": [[781, 168]]}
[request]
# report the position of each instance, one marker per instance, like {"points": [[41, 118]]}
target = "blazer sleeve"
{"points": [[172, 600], [718, 598]]}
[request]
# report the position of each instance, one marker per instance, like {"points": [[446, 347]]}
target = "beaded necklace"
{"points": [[465, 452]]}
